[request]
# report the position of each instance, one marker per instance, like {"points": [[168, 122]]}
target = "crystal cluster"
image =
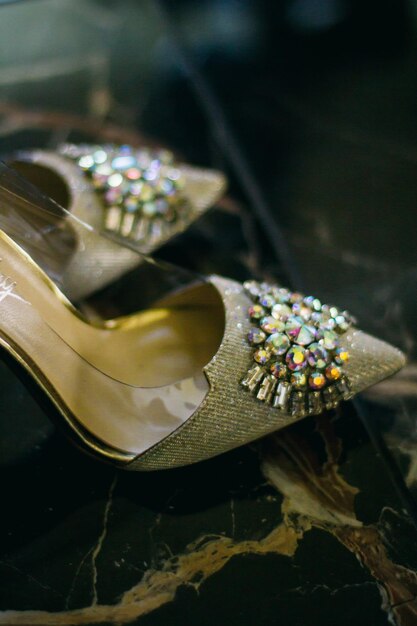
{"points": [[297, 351], [141, 189]]}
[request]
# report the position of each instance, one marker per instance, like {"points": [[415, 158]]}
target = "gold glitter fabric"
{"points": [[230, 416]]}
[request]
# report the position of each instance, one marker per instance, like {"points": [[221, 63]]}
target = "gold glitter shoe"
{"points": [[210, 366], [141, 194]]}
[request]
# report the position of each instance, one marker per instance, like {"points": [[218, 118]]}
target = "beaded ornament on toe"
{"points": [[141, 189], [298, 353]]}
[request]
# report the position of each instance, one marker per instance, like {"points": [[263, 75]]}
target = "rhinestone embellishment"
{"points": [[141, 189], [298, 358]]}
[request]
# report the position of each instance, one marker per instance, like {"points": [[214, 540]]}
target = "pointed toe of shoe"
{"points": [[246, 402], [371, 360]]}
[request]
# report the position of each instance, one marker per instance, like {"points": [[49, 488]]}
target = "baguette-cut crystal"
{"points": [[282, 396]]}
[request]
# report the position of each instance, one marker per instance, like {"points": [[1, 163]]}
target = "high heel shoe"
{"points": [[212, 365], [141, 194]]}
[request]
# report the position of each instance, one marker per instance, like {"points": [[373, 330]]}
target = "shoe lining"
{"points": [[131, 383]]}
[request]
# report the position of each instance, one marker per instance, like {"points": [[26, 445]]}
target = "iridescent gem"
{"points": [[280, 294], [115, 180], [136, 188], [333, 372], [165, 186], [329, 340], [342, 323], [123, 162], [334, 312], [281, 311], [147, 193], [316, 317], [341, 356], [149, 209], [255, 336], [301, 309], [278, 343], [308, 300], [306, 335], [293, 326], [296, 358], [279, 370], [316, 380], [99, 156], [252, 287], [270, 325], [325, 312], [262, 356], [256, 311], [267, 300], [162, 206], [86, 162], [313, 303], [133, 173], [329, 324], [265, 287], [299, 380], [103, 170], [295, 297], [317, 356], [151, 174]]}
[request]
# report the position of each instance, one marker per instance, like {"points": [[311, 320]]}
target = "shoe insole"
{"points": [[130, 383]]}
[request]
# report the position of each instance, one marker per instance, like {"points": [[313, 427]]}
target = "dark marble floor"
{"points": [[310, 109]]}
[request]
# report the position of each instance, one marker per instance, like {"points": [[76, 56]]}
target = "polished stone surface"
{"points": [[316, 524]]}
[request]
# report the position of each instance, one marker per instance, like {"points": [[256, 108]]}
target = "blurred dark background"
{"points": [[308, 105]]}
